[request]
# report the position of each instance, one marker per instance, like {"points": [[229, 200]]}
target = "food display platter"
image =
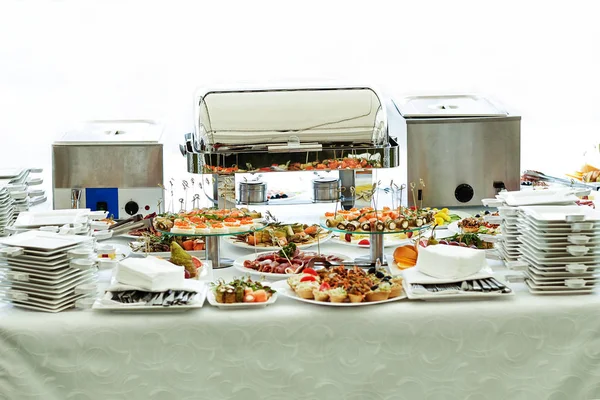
{"points": [[283, 289], [234, 242], [239, 265]]}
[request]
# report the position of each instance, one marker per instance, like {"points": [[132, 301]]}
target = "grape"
{"points": [[443, 241], [453, 243]]}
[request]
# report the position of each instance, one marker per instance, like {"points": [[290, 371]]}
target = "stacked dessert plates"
{"points": [[508, 247], [561, 247], [70, 222], [7, 210], [18, 182], [43, 270]]}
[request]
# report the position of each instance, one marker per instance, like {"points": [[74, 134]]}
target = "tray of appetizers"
{"points": [[273, 236], [342, 287], [241, 293], [386, 220], [363, 239], [209, 221], [280, 264]]}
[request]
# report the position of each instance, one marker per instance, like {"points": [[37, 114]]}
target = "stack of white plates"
{"points": [[46, 271], [18, 182], [508, 247], [7, 210], [561, 247], [69, 222]]}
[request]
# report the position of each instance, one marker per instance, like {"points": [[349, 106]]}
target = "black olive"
{"points": [[477, 216], [386, 278], [487, 212], [372, 270], [284, 196], [379, 274], [374, 287]]}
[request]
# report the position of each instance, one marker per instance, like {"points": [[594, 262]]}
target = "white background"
{"points": [[65, 61]]}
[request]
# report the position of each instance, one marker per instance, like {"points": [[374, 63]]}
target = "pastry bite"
{"points": [[379, 292], [305, 289], [337, 295], [320, 295], [396, 283]]}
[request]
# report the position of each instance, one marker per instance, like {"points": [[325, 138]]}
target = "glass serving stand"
{"points": [[213, 244], [376, 241]]}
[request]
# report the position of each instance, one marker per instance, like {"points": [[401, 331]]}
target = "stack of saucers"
{"points": [[68, 222], [46, 271], [561, 247], [7, 210], [508, 247], [18, 182]]}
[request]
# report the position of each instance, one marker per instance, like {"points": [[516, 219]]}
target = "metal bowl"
{"points": [[254, 192], [326, 190]]}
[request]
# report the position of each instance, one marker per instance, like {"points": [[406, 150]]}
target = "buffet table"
{"points": [[526, 347]]}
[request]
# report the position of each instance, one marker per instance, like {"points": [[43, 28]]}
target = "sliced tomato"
{"points": [[308, 278], [310, 271], [364, 242], [324, 286]]}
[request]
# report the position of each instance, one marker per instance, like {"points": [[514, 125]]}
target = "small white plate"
{"points": [[238, 306], [44, 241], [283, 289]]}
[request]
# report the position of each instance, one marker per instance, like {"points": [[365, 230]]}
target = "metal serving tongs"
{"points": [[322, 262], [130, 224], [538, 176]]}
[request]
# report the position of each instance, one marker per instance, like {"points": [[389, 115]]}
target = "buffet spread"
{"points": [[380, 249]]}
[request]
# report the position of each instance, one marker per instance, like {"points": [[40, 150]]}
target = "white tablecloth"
{"points": [[526, 348]]}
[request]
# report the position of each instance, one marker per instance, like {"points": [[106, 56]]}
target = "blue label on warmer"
{"points": [[103, 199]]}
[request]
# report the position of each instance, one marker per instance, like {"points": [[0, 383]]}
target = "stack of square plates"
{"points": [[7, 210], [508, 247], [18, 182], [43, 270], [561, 247]]}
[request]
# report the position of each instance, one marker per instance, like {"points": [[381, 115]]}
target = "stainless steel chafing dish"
{"points": [[274, 130]]}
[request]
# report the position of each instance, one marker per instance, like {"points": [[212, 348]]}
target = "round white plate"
{"points": [[239, 265], [283, 289], [237, 306], [232, 241], [461, 214]]}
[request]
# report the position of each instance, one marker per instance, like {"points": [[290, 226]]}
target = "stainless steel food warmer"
{"points": [[342, 129], [464, 147], [115, 165]]}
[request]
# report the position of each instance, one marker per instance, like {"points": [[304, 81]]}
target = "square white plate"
{"points": [[52, 217], [238, 306], [51, 274], [534, 290], [45, 241], [558, 214], [21, 276]]}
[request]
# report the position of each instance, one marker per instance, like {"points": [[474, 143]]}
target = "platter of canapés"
{"points": [[276, 235], [342, 287], [386, 220], [209, 221], [241, 293]]}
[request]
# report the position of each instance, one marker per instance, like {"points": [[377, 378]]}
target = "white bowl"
{"points": [[508, 211], [582, 226], [106, 263], [87, 288], [578, 239], [577, 251], [82, 263], [575, 283], [577, 268], [79, 253], [85, 303], [102, 235], [575, 218], [99, 225]]}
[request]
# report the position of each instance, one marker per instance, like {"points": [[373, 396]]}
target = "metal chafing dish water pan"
{"points": [[289, 130]]}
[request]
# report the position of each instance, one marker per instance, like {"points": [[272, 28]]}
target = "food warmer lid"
{"points": [[274, 116], [448, 106], [113, 132]]}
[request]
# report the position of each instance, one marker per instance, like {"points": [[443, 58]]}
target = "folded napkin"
{"points": [[414, 276], [150, 273]]}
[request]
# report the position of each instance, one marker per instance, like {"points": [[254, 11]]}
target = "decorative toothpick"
{"points": [[172, 206], [196, 202], [158, 204], [185, 185], [422, 191], [181, 207], [412, 189]]}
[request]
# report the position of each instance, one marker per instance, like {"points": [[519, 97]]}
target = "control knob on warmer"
{"points": [[131, 207], [464, 193]]}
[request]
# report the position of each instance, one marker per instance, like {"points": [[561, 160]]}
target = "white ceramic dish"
{"points": [[232, 241], [198, 303], [238, 264], [15, 274], [44, 241], [561, 214], [388, 241], [238, 306], [453, 296], [283, 289], [565, 290], [52, 217]]}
